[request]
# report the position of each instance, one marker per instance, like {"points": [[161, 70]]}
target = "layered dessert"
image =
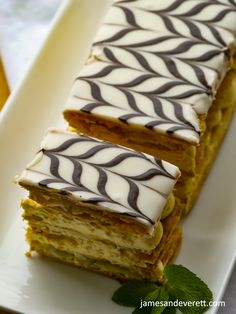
{"points": [[161, 79], [102, 207]]}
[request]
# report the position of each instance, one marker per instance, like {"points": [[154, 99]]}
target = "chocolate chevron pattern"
{"points": [[109, 176], [158, 64], [163, 21], [207, 12], [147, 2], [163, 65], [127, 79], [117, 100], [163, 44], [227, 2]]}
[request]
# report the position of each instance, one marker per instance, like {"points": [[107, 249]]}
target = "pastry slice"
{"points": [[161, 79], [101, 206]]}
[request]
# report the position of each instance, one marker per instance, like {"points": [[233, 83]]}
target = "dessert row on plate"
{"points": [[156, 95]]}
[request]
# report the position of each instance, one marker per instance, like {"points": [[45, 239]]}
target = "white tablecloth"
{"points": [[23, 26]]}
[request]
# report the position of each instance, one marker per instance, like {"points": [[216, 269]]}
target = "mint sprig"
{"points": [[132, 292], [162, 297], [182, 288], [186, 286], [158, 294]]}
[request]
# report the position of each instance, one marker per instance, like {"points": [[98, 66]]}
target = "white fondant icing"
{"points": [[115, 178]]}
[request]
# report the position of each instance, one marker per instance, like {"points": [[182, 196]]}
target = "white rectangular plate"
{"points": [[38, 286]]}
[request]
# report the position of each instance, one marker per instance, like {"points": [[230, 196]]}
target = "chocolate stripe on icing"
{"points": [[104, 71], [163, 20], [132, 196], [160, 65], [226, 2], [173, 126], [54, 167], [113, 177], [130, 17], [213, 13], [127, 80], [91, 152], [185, 49], [133, 192], [179, 49], [67, 144], [150, 111]]}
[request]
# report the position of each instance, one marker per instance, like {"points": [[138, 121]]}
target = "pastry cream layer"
{"points": [[74, 248], [153, 273], [105, 229], [57, 200]]}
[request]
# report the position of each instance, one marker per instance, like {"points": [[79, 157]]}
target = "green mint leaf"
{"points": [[153, 295], [170, 310], [153, 303], [162, 298], [187, 287], [145, 305], [131, 293]]}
